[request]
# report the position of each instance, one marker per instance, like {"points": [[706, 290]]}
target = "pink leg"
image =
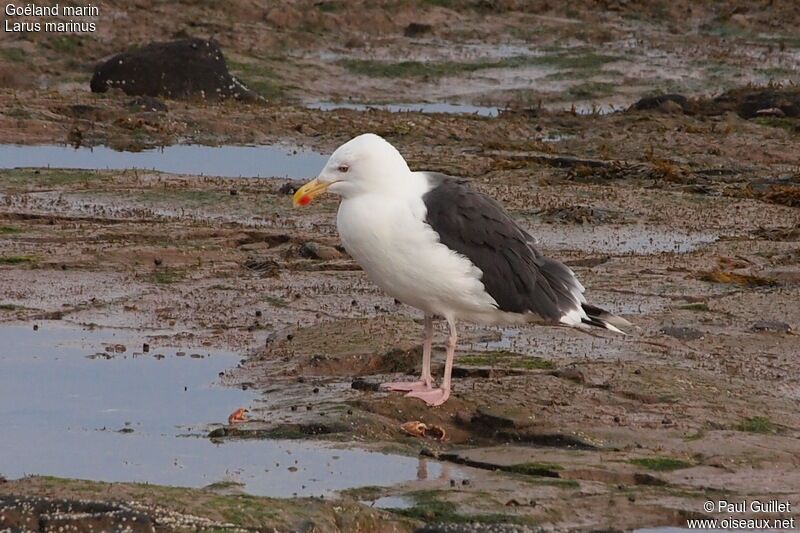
{"points": [[439, 396], [425, 381]]}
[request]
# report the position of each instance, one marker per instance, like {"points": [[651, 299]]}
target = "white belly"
{"points": [[402, 255]]}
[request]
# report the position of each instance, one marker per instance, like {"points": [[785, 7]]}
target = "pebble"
{"points": [[771, 325]]}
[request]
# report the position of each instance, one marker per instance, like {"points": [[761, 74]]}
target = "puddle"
{"points": [[223, 161], [628, 239], [437, 107], [62, 408]]}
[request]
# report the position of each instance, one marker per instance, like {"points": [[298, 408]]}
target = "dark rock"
{"points": [[288, 189], [648, 479], [187, 68], [217, 433], [362, 384], [315, 250], [415, 29], [748, 101], [683, 333], [662, 103], [18, 513], [771, 325], [147, 103]]}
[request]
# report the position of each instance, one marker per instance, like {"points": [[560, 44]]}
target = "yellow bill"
{"points": [[308, 192]]}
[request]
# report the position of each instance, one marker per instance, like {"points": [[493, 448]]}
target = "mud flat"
{"points": [[682, 219]]}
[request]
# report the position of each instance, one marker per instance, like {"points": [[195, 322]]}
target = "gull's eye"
{"points": [[343, 168]]}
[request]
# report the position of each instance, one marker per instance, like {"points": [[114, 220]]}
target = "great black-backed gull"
{"points": [[435, 243]]}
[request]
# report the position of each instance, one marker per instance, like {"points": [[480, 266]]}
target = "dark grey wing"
{"points": [[515, 274]]}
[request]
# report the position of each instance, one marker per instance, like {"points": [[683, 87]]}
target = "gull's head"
{"points": [[364, 164]]}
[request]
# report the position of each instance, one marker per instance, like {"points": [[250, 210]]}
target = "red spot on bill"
{"points": [[304, 200]]}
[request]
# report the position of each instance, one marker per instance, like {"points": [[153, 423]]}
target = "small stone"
{"points": [[287, 189], [362, 384], [772, 325], [314, 250], [416, 29]]}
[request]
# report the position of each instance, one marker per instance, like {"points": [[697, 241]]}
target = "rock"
{"points": [[683, 333], [287, 189], [415, 29], [362, 384], [314, 250], [666, 103], [771, 325], [748, 101], [187, 68]]}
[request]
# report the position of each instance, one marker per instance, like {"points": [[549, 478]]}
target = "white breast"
{"points": [[387, 236]]}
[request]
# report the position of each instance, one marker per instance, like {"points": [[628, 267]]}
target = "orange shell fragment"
{"points": [[238, 416], [419, 429]]}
